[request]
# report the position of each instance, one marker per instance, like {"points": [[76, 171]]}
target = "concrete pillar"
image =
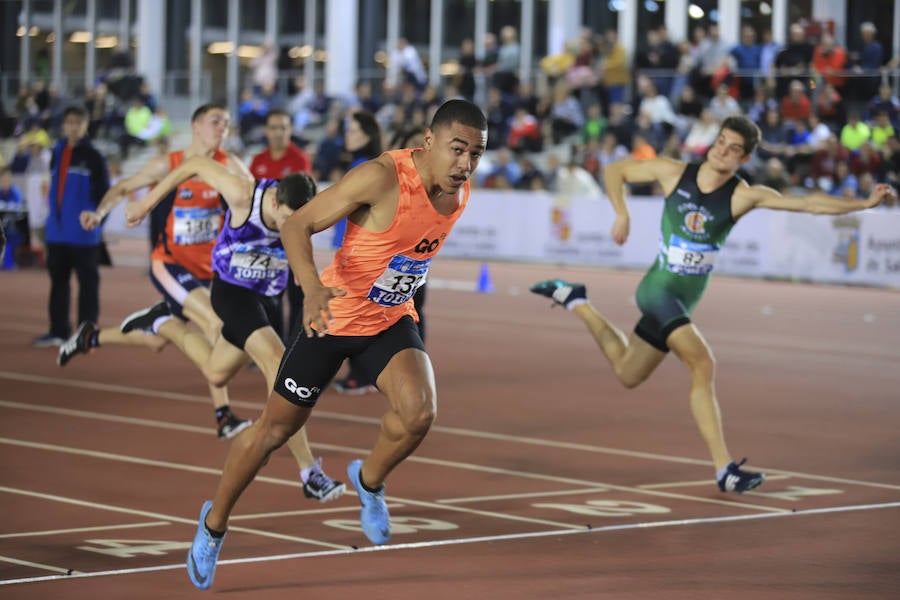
{"points": [[564, 24], [526, 41], [25, 44], [310, 15], [90, 49], [232, 73], [779, 21], [56, 77], [195, 60], [341, 37], [151, 43], [393, 34], [435, 42], [677, 20], [730, 22]]}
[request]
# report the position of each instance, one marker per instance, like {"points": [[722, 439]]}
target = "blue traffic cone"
{"points": [[484, 281]]}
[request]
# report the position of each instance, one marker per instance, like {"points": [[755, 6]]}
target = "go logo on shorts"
{"points": [[304, 393]]}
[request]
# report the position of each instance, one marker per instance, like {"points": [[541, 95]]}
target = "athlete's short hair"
{"points": [[458, 111], [205, 108], [295, 190], [744, 127]]}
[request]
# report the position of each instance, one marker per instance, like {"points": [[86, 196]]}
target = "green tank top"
{"points": [[694, 227]]}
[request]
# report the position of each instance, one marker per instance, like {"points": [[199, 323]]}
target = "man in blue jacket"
{"points": [[79, 179]]}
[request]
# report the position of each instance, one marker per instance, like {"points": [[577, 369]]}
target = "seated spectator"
{"points": [[882, 130], [566, 114], [524, 132], [701, 136], [866, 182], [504, 166], [887, 102], [641, 149], [688, 103], [796, 105], [573, 180], [866, 160], [824, 163], [762, 101], [855, 133], [818, 132], [830, 107], [773, 136], [528, 173], [722, 105], [594, 125], [610, 151], [775, 176], [843, 179]]}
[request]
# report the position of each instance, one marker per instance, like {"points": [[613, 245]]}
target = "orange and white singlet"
{"points": [[193, 223], [381, 271]]}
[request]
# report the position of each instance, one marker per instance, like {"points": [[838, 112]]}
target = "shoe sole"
{"points": [[334, 494], [369, 389], [49, 344], [231, 434], [139, 313]]}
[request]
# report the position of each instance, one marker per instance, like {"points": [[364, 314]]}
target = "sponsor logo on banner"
{"points": [[846, 252]]}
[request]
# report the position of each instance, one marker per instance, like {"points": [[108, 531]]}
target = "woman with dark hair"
{"points": [[362, 141]]}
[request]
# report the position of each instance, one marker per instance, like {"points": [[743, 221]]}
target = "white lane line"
{"points": [[285, 482], [475, 540], [588, 490], [321, 414], [82, 529], [153, 515], [35, 565]]}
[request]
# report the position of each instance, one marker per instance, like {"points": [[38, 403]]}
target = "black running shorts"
{"points": [[242, 311], [310, 363]]}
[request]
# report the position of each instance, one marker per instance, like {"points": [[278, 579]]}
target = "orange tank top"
{"points": [[382, 270], [193, 223]]}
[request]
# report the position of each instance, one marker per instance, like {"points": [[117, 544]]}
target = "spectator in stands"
{"points": [[613, 70], [701, 136], [610, 151], [882, 131], [641, 149], [264, 67], [566, 114], [466, 62], [506, 74], [688, 104], [830, 107], [793, 61], [843, 179], [711, 58], [871, 58], [887, 102], [773, 136], [824, 163], [328, 150], [498, 111], [866, 184], [573, 180], [31, 164], [855, 133], [13, 219], [762, 101], [594, 124], [747, 57], [796, 105], [866, 160], [620, 124], [774, 175], [655, 106], [769, 50], [723, 105], [505, 166], [829, 61], [408, 64], [524, 132]]}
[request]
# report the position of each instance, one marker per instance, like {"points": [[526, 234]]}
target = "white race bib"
{"points": [[253, 264], [195, 225], [400, 280], [690, 258]]}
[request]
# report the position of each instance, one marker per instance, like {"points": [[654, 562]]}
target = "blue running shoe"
{"points": [[374, 517], [735, 479], [204, 552], [564, 293]]}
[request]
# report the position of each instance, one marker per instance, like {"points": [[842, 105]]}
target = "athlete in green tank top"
{"points": [[703, 202]]}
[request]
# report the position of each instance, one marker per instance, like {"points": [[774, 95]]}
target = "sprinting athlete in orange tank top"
{"points": [[400, 208], [381, 271]]}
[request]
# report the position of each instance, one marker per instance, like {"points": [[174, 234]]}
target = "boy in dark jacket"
{"points": [[79, 179]]}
